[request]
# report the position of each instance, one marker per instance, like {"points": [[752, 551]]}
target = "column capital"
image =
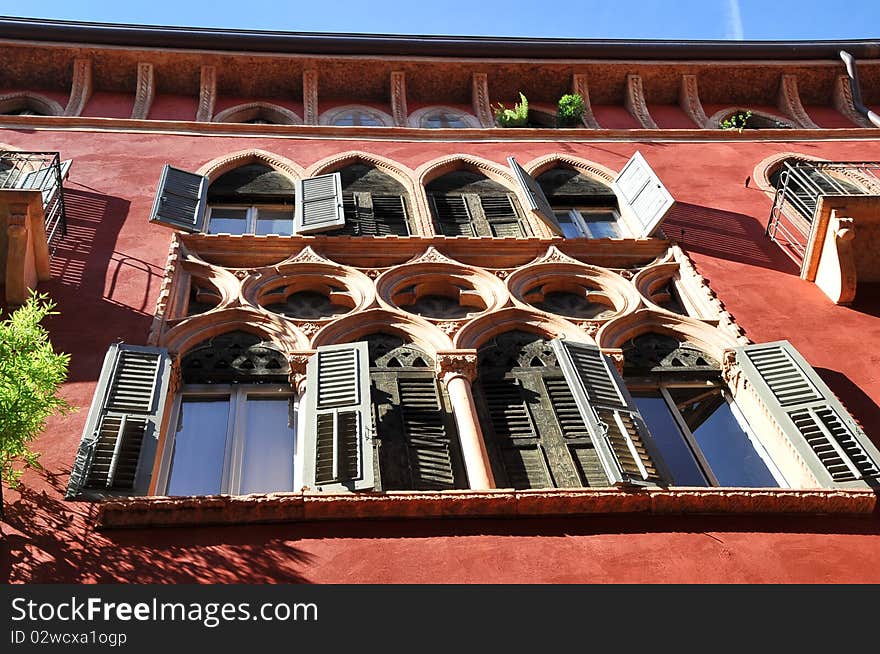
{"points": [[457, 363], [298, 362]]}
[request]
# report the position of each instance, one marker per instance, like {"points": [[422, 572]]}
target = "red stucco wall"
{"points": [[106, 279]]}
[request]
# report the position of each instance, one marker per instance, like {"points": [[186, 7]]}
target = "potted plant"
{"points": [[516, 117], [570, 110]]}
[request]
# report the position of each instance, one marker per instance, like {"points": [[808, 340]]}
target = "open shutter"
{"points": [[119, 441], [338, 445], [615, 424], [538, 203], [642, 195], [830, 441], [319, 206], [181, 200]]}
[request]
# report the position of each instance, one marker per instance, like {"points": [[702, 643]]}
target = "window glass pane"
{"points": [[357, 117], [727, 448], [602, 224], [267, 464], [669, 440], [228, 221], [275, 221], [443, 119], [199, 447], [570, 228]]}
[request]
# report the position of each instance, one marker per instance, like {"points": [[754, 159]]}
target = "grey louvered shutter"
{"points": [[538, 203], [452, 214], [338, 445], [319, 206], [181, 200], [619, 433], [501, 215], [641, 194], [389, 212], [118, 446], [832, 444]]}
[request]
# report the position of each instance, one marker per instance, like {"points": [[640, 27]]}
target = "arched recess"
{"points": [[265, 112], [436, 168], [224, 163], [481, 329], [761, 117], [351, 327], [25, 100], [615, 333], [766, 169], [586, 167], [188, 333], [417, 117], [330, 116]]}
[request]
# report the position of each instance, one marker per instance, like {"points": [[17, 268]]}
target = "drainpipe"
{"points": [[850, 63]]}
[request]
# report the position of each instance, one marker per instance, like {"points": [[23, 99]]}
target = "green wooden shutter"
{"points": [[181, 200], [832, 444], [118, 446], [538, 203], [620, 436], [640, 191], [338, 438], [389, 212], [501, 215], [452, 215], [319, 205]]}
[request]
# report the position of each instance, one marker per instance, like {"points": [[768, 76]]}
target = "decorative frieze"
{"points": [[146, 89]]}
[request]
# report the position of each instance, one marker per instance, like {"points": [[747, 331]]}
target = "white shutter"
{"points": [[538, 203], [319, 204], [641, 195]]}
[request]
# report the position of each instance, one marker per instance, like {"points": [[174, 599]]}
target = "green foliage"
{"points": [[516, 117], [30, 374], [570, 110], [736, 121]]}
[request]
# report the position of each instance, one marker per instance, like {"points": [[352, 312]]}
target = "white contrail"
{"points": [[734, 21]]}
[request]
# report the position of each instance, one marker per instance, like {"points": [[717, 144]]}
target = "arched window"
{"points": [[234, 426], [701, 435], [442, 118], [251, 199], [375, 204], [802, 182], [584, 207], [467, 203], [355, 117]]}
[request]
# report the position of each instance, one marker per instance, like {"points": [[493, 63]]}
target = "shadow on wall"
{"points": [[51, 541], [854, 398], [725, 235]]}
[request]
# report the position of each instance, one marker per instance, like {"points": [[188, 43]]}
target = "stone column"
{"points": [[457, 371], [298, 362]]}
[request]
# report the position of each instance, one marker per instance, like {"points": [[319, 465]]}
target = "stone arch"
{"points": [[272, 113], [716, 118], [415, 118], [615, 333], [234, 356], [393, 169], [38, 103], [330, 115], [224, 163], [586, 167], [351, 327], [481, 329], [192, 331]]}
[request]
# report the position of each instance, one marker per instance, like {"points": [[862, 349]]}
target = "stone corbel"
{"points": [[480, 99], [461, 363], [843, 102], [207, 94], [80, 87], [788, 100], [635, 102], [310, 97], [146, 90], [836, 273], [689, 100], [579, 87], [398, 99]]}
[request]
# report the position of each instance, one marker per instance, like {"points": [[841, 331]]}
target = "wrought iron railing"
{"points": [[799, 186], [42, 171]]}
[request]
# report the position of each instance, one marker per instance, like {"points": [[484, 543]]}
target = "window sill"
{"points": [[141, 512]]}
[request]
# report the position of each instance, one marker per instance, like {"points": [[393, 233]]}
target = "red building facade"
{"points": [[388, 340]]}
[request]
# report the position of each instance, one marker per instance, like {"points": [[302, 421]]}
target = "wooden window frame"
{"points": [[576, 212], [480, 225], [251, 216]]}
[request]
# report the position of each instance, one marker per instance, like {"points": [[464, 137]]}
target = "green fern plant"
{"points": [[570, 110], [736, 121], [516, 117]]}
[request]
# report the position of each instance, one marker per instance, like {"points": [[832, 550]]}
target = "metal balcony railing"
{"points": [[43, 171], [799, 185]]}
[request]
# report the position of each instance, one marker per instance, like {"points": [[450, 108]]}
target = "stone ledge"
{"points": [[139, 512]]}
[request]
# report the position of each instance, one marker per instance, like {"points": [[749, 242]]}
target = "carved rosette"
{"points": [[456, 364]]}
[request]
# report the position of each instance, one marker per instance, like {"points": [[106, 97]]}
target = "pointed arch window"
{"points": [[467, 203]]}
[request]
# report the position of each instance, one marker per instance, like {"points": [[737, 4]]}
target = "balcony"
{"points": [[32, 218], [826, 218]]}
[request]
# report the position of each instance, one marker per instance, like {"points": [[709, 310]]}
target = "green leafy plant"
{"points": [[31, 373], [570, 110], [736, 121], [516, 117]]}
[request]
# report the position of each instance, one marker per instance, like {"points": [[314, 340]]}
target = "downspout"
{"points": [[856, 89]]}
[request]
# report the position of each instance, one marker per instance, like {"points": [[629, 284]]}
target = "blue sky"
{"points": [[612, 19]]}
